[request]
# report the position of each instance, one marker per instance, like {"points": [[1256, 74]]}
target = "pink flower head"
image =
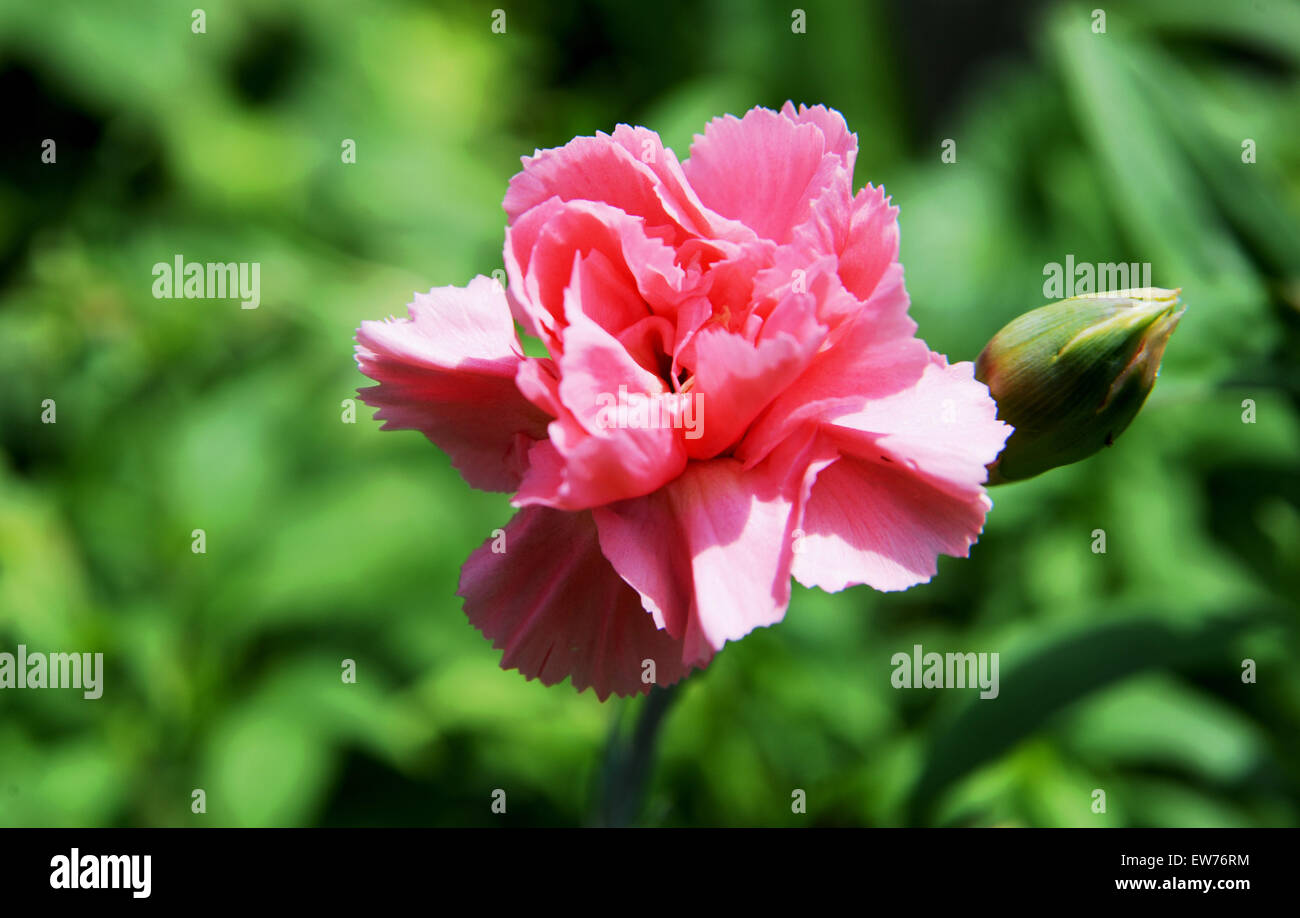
{"points": [[734, 395]]}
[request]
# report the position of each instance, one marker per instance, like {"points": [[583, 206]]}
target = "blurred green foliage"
{"points": [[329, 541]]}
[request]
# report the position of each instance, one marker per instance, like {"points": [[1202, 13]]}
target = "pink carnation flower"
{"points": [[734, 395]]}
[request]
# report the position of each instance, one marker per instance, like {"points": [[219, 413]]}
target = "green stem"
{"points": [[628, 764]]}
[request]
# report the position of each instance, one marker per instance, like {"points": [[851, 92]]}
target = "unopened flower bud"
{"points": [[1071, 375]]}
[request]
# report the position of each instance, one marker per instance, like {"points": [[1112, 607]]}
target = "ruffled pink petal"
{"points": [[882, 525], [945, 427], [731, 278], [764, 170], [839, 139], [826, 229], [679, 198], [538, 380], [631, 171], [710, 553], [595, 455], [587, 169], [541, 249], [793, 271], [609, 293], [577, 470], [871, 246], [457, 353], [873, 356], [556, 608], [909, 486], [736, 378], [649, 341], [861, 232]]}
